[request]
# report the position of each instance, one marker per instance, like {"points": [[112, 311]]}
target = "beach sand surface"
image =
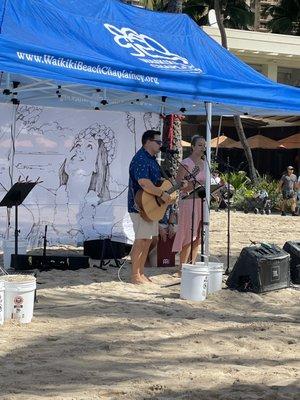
{"points": [[94, 337]]}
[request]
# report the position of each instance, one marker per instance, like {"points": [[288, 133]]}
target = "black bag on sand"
{"points": [[260, 269], [293, 248]]}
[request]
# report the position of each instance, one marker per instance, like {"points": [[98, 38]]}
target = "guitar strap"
{"points": [[166, 175], [133, 196]]}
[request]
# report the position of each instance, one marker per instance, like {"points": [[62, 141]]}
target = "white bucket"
{"points": [[215, 277], [19, 297], [9, 249], [216, 271], [194, 282], [2, 287]]}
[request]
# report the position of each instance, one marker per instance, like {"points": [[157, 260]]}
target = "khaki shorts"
{"points": [[143, 229]]}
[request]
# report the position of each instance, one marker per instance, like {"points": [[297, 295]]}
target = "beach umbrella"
{"points": [[185, 144], [223, 142], [291, 142], [260, 142]]}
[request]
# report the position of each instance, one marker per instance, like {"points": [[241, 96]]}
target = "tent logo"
{"points": [[150, 51]]}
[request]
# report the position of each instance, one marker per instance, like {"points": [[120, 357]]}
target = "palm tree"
{"points": [[236, 14], [173, 122], [285, 17], [226, 10], [237, 119]]}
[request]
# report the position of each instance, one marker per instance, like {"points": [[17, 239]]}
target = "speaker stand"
{"points": [[103, 263]]}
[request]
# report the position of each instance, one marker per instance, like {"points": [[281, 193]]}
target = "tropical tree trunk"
{"points": [[219, 17], [172, 123], [240, 131], [256, 8], [237, 119]]}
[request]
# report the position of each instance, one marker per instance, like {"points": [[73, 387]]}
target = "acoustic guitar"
{"points": [[152, 208]]}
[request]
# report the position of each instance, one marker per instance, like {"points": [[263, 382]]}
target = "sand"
{"points": [[94, 337]]}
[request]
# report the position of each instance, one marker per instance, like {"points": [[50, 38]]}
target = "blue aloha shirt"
{"points": [[142, 166]]}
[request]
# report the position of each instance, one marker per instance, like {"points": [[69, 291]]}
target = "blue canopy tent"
{"points": [[103, 54], [105, 44]]}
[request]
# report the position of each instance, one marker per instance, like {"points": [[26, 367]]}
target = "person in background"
{"points": [[194, 169], [215, 178], [288, 186]]}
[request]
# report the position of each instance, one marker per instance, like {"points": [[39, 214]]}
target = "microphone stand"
{"points": [[193, 219], [227, 165], [228, 218]]}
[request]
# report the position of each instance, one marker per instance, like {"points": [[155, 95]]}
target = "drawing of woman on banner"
{"points": [[84, 178], [151, 121]]}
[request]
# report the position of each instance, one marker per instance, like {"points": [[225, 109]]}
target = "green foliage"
{"points": [[197, 10], [285, 17], [236, 13], [237, 179], [157, 5], [241, 196], [245, 190], [265, 182]]}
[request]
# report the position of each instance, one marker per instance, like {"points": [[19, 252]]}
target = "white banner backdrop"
{"points": [[82, 157]]}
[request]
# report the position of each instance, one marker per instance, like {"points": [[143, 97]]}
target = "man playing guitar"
{"points": [[144, 173]]}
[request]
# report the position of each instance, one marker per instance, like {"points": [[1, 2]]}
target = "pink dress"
{"points": [[185, 209]]}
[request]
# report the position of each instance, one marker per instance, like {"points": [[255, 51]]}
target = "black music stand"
{"points": [[15, 197], [199, 193]]}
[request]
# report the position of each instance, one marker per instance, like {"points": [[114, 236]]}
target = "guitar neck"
{"points": [[174, 188]]}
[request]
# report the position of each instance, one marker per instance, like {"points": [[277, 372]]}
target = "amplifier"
{"points": [[23, 262], [110, 249], [293, 248], [260, 269]]}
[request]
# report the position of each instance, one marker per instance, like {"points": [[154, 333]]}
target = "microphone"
{"points": [[164, 149]]}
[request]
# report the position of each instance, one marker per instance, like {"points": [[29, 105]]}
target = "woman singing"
{"points": [[194, 170]]}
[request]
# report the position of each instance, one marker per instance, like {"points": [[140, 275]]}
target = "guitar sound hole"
{"points": [[157, 201]]}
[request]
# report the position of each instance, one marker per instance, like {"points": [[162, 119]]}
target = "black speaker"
{"points": [[23, 262], [260, 269], [110, 249], [293, 248]]}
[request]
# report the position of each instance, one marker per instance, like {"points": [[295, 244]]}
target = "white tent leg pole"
{"points": [[207, 177], [219, 132], [13, 139], [12, 160], [161, 129]]}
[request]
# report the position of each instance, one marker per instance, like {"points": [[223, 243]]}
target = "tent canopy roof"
{"points": [[138, 59]]}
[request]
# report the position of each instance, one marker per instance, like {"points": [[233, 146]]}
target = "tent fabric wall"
{"points": [[108, 44], [84, 191]]}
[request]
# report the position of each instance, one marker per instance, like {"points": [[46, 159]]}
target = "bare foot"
{"points": [[146, 279], [177, 274], [137, 280]]}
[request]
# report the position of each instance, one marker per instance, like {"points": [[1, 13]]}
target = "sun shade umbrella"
{"points": [[291, 142], [223, 142], [260, 142]]}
